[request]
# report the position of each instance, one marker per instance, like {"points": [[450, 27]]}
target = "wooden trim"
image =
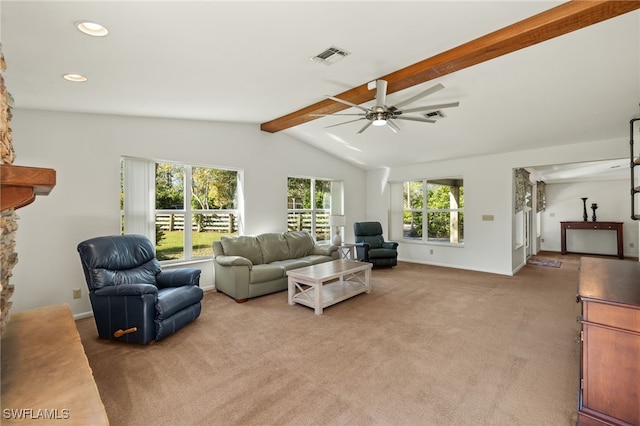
{"points": [[21, 184], [552, 23]]}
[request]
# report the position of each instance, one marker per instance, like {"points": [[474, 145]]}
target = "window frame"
{"points": [[335, 206], [425, 210], [187, 210]]}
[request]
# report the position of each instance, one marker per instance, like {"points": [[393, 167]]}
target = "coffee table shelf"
{"points": [[326, 284]]}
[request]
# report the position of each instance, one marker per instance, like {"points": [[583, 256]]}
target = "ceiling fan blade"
{"points": [[329, 115], [393, 126], [345, 122], [431, 107], [423, 120], [342, 101], [381, 92], [420, 95], [366, 126]]}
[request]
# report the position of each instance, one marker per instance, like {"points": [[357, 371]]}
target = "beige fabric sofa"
{"points": [[251, 266]]}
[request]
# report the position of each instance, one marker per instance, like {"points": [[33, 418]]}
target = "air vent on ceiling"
{"points": [[435, 115], [330, 55]]}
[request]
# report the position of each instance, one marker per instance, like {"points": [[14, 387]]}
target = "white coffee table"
{"points": [[326, 284]]}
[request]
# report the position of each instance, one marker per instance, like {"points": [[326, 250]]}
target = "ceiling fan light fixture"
{"points": [[378, 118], [380, 114]]}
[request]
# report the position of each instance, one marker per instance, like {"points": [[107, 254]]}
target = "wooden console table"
{"points": [[610, 369], [606, 226]]}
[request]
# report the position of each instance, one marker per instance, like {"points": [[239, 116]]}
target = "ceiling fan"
{"points": [[383, 115]]}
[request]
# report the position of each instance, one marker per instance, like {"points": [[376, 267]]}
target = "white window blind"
{"points": [[139, 197], [397, 210]]}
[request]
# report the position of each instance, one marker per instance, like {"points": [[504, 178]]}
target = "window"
{"points": [[189, 206], [433, 208], [309, 204]]}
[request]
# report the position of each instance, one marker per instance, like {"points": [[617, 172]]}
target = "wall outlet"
{"points": [[542, 240], [487, 217], [77, 293], [631, 245], [431, 251]]}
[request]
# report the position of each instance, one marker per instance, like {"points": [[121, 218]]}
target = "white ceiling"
{"points": [[580, 172], [249, 62]]}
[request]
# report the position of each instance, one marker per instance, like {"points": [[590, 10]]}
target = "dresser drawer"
{"points": [[590, 225], [596, 226], [617, 316]]}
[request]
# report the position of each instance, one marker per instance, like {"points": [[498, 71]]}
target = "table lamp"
{"points": [[337, 220]]}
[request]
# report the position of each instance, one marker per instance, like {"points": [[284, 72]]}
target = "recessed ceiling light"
{"points": [[92, 29], [77, 78]]}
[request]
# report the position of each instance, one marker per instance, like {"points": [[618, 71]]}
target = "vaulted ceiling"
{"points": [[250, 62]]}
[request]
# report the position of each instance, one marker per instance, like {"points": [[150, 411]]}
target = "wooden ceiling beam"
{"points": [[552, 23]]}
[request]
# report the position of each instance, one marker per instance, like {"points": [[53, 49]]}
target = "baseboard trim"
{"points": [[446, 265], [82, 315]]}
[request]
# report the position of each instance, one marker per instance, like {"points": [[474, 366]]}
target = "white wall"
{"points": [[85, 151], [614, 205], [488, 182], [477, 234]]}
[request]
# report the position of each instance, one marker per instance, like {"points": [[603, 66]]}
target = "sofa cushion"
{"points": [[314, 259], [273, 247], [243, 245], [290, 264], [300, 243], [265, 272], [324, 249]]}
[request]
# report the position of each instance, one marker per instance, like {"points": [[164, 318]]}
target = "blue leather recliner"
{"points": [[371, 246], [132, 299]]}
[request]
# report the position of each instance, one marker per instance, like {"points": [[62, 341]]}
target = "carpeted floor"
{"points": [[429, 346]]}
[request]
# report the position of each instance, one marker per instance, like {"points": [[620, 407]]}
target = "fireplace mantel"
{"points": [[21, 185]]}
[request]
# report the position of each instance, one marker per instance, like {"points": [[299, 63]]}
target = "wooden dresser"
{"points": [[609, 291]]}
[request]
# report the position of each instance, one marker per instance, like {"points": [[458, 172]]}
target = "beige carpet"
{"points": [[429, 346]]}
